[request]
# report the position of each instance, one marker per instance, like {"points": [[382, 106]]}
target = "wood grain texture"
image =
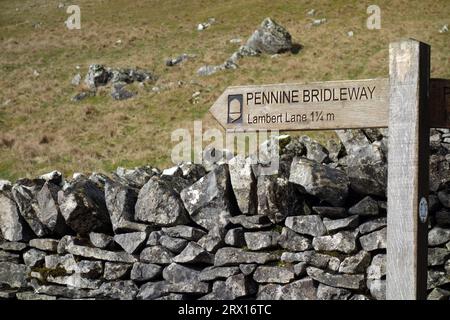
{"points": [[409, 71], [347, 114], [356, 113], [439, 103]]}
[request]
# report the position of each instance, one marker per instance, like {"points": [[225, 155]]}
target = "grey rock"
{"points": [[443, 218], [89, 269], [312, 258], [184, 232], [213, 240], [121, 200], [76, 80], [365, 161], [137, 177], [341, 224], [101, 240], [261, 240], [377, 288], [243, 183], [214, 273], [131, 242], [356, 264], [325, 292], [359, 297], [277, 198], [235, 237], [34, 258], [439, 171], [117, 290], [335, 150], [447, 267], [193, 253], [62, 291], [248, 269], [14, 275], [13, 246], [175, 245], [219, 292], [54, 177], [377, 268], [251, 222], [438, 294], [115, 271], [240, 286], [153, 238], [270, 38], [292, 241], [97, 75], [437, 256], [177, 60], [12, 225], [374, 240], [173, 296], [443, 195], [437, 278], [83, 207], [5, 185], [100, 254], [315, 151], [235, 256], [48, 211], [372, 225], [346, 281], [175, 273], [268, 274], [24, 194], [328, 184], [28, 295], [64, 242], [156, 254], [438, 236], [50, 245], [368, 179], [366, 207], [208, 70], [152, 290], [159, 202], [331, 212], [298, 290], [192, 172], [310, 225], [119, 92], [9, 257], [67, 262], [344, 241], [75, 280], [189, 287], [334, 264], [209, 200], [300, 269], [145, 271]]}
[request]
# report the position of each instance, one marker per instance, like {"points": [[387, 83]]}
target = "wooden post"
{"points": [[408, 165]]}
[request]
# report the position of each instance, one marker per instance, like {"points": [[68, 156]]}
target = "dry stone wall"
{"points": [[316, 229]]}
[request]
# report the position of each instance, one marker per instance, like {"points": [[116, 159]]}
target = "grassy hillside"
{"points": [[42, 130]]}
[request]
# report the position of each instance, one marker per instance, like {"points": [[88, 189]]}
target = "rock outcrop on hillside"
{"points": [[314, 230]]}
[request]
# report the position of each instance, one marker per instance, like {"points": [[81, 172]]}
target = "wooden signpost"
{"points": [[409, 103]]}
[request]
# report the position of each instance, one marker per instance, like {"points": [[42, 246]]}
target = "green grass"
{"points": [[99, 134]]}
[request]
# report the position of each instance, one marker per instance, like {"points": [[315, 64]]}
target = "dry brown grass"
{"points": [[42, 130]]}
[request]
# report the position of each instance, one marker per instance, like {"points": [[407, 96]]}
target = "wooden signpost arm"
{"points": [[408, 160]]}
